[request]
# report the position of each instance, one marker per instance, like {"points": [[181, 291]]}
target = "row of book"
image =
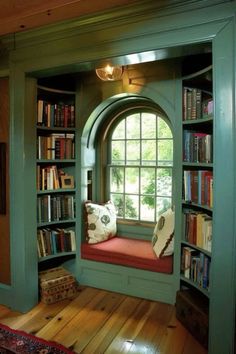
{"points": [[56, 146], [196, 104], [198, 187], [198, 229], [50, 242], [55, 115], [195, 266], [52, 208], [197, 147], [50, 178]]}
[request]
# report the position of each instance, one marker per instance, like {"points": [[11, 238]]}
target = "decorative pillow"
{"points": [[163, 235], [101, 221]]}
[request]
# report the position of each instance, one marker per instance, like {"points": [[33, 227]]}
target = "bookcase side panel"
{"points": [[222, 306], [5, 276]]}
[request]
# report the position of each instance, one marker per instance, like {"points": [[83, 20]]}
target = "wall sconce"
{"points": [[110, 73]]}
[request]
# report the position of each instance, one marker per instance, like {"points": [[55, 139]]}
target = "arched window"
{"points": [[140, 164]]}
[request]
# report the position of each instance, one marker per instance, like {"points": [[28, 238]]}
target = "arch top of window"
{"points": [[115, 107], [142, 122]]}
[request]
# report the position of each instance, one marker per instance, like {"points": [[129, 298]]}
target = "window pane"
{"points": [[162, 205], [165, 152], [132, 180], [117, 179], [133, 152], [118, 200], [149, 152], [119, 132], [131, 207], [163, 129], [147, 211], [148, 181], [133, 126], [148, 126], [164, 182], [118, 152]]}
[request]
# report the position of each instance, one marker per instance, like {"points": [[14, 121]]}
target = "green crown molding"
{"points": [[132, 13]]}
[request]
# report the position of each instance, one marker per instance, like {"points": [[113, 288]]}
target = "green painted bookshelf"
{"points": [[55, 173], [197, 175]]}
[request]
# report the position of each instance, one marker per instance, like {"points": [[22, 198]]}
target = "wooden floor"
{"points": [[98, 321]]}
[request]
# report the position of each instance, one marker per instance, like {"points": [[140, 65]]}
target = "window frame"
{"points": [[115, 119]]}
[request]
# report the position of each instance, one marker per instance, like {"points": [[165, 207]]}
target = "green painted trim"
{"points": [[127, 280], [107, 41], [222, 286], [126, 14], [23, 204]]}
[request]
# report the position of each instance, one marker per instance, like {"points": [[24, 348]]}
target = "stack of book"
{"points": [[55, 115], [197, 147], [198, 229], [55, 208], [198, 187], [51, 242], [56, 146], [196, 104], [195, 266]]}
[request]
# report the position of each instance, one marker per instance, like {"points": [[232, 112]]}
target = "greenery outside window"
{"points": [[140, 166]]}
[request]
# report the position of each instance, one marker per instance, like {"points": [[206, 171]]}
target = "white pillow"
{"points": [[163, 235], [101, 221]]}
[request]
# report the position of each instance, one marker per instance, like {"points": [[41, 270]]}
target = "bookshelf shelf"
{"points": [[207, 253], [195, 205], [52, 161], [58, 222], [55, 91], [55, 191], [196, 286], [56, 174], [199, 164], [61, 254], [55, 129], [198, 121]]}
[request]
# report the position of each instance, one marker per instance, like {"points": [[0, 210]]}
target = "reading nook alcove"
{"points": [[133, 246], [164, 50]]}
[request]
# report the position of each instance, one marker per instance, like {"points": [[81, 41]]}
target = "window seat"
{"points": [[128, 252]]}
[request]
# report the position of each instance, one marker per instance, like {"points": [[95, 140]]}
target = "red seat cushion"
{"points": [[128, 252]]}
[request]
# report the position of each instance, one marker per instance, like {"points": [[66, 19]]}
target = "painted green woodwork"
{"points": [[130, 281], [79, 46], [223, 264], [23, 192]]}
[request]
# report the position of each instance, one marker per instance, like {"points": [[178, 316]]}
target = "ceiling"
{"points": [[22, 15]]}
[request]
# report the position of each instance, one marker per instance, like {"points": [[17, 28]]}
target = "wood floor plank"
{"points": [[175, 333], [37, 318], [87, 323], [80, 303], [127, 337], [19, 321], [7, 312], [153, 329], [112, 326]]}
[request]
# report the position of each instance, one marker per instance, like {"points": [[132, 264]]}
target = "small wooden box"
{"points": [[57, 284], [192, 311]]}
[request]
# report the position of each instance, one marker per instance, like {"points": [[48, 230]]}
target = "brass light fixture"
{"points": [[110, 73]]}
